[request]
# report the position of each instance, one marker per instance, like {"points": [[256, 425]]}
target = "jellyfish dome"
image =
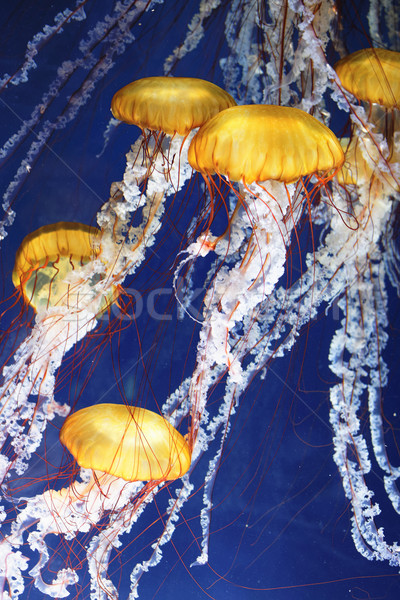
{"points": [[169, 104], [260, 142], [134, 444]]}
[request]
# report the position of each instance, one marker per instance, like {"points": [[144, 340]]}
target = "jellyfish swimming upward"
{"points": [[199, 312]]}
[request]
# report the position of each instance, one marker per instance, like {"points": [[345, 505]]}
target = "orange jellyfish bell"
{"points": [[47, 256], [261, 142], [131, 443], [372, 75], [169, 104]]}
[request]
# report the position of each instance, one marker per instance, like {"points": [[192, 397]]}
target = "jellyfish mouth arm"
{"points": [[219, 422], [123, 247], [33, 373], [13, 562], [355, 358], [67, 511], [133, 500], [173, 511], [244, 69], [344, 251], [331, 269], [374, 143], [121, 522], [77, 509], [239, 291], [82, 505], [373, 160]]}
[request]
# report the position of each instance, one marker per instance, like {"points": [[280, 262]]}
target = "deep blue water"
{"points": [[281, 524]]}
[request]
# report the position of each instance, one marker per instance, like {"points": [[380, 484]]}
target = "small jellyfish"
{"points": [[372, 75], [47, 257], [134, 444], [168, 110]]}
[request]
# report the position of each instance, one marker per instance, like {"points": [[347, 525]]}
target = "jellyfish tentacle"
{"points": [[114, 32], [351, 453]]}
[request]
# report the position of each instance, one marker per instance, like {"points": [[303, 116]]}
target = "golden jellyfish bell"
{"points": [[131, 443], [47, 256], [372, 75], [169, 104], [261, 142]]}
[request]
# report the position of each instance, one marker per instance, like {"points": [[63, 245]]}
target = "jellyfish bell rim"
{"points": [[86, 432], [153, 102], [214, 142]]}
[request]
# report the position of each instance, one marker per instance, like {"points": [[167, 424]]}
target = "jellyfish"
{"points": [[48, 275], [168, 110], [350, 270], [45, 260], [169, 104], [371, 75], [271, 149], [268, 150], [118, 448], [356, 351]]}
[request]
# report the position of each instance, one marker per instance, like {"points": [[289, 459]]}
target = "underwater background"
{"points": [[280, 527]]}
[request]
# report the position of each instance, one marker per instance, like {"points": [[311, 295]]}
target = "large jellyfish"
{"points": [[116, 446], [271, 505], [47, 274], [268, 150], [356, 352]]}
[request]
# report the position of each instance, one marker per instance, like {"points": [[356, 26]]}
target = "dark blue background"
{"points": [[281, 524]]}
